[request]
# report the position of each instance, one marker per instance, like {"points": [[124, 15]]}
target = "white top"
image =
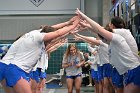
{"points": [[129, 39], [91, 49], [93, 58], [9, 56], [42, 62], [103, 53], [28, 50], [121, 56]]}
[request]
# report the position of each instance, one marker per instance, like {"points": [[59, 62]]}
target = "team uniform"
{"points": [[28, 51], [117, 79], [7, 59], [104, 67], [129, 39], [123, 59], [38, 71], [94, 60]]}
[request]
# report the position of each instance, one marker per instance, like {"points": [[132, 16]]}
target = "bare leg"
{"points": [[70, 85], [100, 86], [34, 85], [119, 90], [96, 86], [78, 82], [22, 86], [90, 79], [7, 89], [112, 90], [40, 86], [106, 85], [131, 88]]}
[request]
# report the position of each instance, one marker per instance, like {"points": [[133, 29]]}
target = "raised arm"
{"points": [[53, 42], [52, 35], [99, 29], [57, 45], [87, 39], [60, 25]]}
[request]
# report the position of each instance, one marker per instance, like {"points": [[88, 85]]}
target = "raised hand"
{"points": [[72, 20], [78, 12], [76, 36], [84, 24]]}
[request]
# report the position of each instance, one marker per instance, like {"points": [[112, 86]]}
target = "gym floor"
{"points": [[84, 89], [63, 90]]}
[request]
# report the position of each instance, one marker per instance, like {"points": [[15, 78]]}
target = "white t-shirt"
{"points": [[103, 53], [29, 50], [121, 56], [93, 58], [42, 62], [9, 56], [129, 39], [91, 49]]}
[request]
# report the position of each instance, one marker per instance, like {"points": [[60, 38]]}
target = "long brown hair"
{"points": [[118, 22], [67, 53]]}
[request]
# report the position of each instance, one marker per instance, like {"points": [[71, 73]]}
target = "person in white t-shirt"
{"points": [[93, 61], [121, 55], [38, 74], [28, 51], [104, 67]]}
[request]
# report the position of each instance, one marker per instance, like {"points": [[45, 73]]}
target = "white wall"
{"points": [[17, 7], [12, 26], [93, 8]]}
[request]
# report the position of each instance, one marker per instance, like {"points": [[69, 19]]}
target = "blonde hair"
{"points": [[67, 53]]}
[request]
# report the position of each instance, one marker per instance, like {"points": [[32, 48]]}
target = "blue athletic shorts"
{"points": [[117, 79], [100, 73], [2, 70], [43, 75], [132, 76], [13, 73], [73, 77], [37, 75], [94, 74], [107, 69]]}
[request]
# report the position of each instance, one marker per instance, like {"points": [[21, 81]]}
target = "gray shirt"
{"points": [[73, 70]]}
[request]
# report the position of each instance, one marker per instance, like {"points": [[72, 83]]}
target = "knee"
{"points": [[70, 90], [106, 85]]}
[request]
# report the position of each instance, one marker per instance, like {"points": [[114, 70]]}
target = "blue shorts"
{"points": [[73, 77], [100, 73], [94, 74], [107, 68], [132, 76], [13, 73], [117, 79], [37, 75], [43, 75], [2, 70]]}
